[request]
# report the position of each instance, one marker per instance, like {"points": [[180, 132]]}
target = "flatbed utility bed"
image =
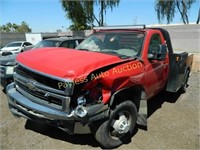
{"points": [[180, 67]]}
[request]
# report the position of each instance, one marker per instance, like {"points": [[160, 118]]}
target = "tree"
{"points": [[23, 27], [12, 27], [105, 4], [81, 13], [75, 12], [167, 8]]}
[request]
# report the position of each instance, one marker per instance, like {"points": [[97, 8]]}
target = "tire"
{"points": [[109, 134], [185, 82]]}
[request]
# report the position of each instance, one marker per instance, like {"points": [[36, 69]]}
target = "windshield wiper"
{"points": [[115, 53], [111, 52], [83, 49]]}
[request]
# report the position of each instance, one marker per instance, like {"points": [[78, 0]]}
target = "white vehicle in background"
{"points": [[14, 47]]}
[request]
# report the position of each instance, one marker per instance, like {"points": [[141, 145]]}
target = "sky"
{"points": [[49, 16]]}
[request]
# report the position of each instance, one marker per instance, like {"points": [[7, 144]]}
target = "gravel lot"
{"points": [[173, 123]]}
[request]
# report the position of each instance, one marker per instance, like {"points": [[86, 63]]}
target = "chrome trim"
{"points": [[47, 91], [38, 86], [51, 77], [41, 101], [21, 106]]}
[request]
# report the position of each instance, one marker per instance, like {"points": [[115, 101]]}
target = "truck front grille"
{"points": [[49, 99], [40, 78], [40, 89]]}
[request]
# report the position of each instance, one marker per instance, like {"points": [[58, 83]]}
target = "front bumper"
{"points": [[15, 51], [21, 106]]}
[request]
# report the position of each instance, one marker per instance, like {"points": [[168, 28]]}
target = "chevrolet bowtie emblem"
{"points": [[31, 86]]}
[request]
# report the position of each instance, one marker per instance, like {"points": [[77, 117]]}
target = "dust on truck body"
{"points": [[102, 86]]}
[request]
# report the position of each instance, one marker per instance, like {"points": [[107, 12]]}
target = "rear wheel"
{"points": [[120, 126]]}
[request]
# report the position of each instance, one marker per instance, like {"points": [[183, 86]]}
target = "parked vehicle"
{"points": [[14, 47], [8, 61], [103, 86], [6, 69], [68, 42]]}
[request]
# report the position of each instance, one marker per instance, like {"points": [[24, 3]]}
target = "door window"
{"points": [[154, 43], [68, 44]]}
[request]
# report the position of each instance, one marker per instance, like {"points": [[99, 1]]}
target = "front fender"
{"points": [[138, 96]]}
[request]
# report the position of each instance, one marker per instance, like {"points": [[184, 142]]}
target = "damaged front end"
{"points": [[67, 94], [40, 98]]}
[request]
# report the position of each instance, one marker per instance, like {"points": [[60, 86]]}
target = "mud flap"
{"points": [[142, 113]]}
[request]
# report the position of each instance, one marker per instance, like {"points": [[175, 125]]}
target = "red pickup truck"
{"points": [[102, 86]]}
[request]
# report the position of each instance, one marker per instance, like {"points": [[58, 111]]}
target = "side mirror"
{"points": [[157, 52]]}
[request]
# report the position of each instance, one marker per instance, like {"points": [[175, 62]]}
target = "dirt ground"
{"points": [[173, 123]]}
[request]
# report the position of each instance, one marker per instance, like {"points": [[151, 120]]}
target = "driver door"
{"points": [[157, 70]]}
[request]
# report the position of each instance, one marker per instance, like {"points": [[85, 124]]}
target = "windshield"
{"points": [[14, 44], [123, 44], [47, 43]]}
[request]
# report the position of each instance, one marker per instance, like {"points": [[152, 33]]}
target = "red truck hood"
{"points": [[65, 63]]}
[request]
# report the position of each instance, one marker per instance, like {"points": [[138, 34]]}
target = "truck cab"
{"points": [[102, 86]]}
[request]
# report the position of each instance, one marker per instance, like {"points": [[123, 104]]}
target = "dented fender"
{"points": [[118, 77]]}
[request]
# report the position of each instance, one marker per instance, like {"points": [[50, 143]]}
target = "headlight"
{"points": [[9, 70]]}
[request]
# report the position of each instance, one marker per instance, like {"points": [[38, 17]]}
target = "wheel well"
{"points": [[130, 93]]}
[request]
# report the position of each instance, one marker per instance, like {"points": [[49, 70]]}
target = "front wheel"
{"points": [[120, 126]]}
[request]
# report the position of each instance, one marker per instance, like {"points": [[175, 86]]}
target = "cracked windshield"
{"points": [[124, 45]]}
